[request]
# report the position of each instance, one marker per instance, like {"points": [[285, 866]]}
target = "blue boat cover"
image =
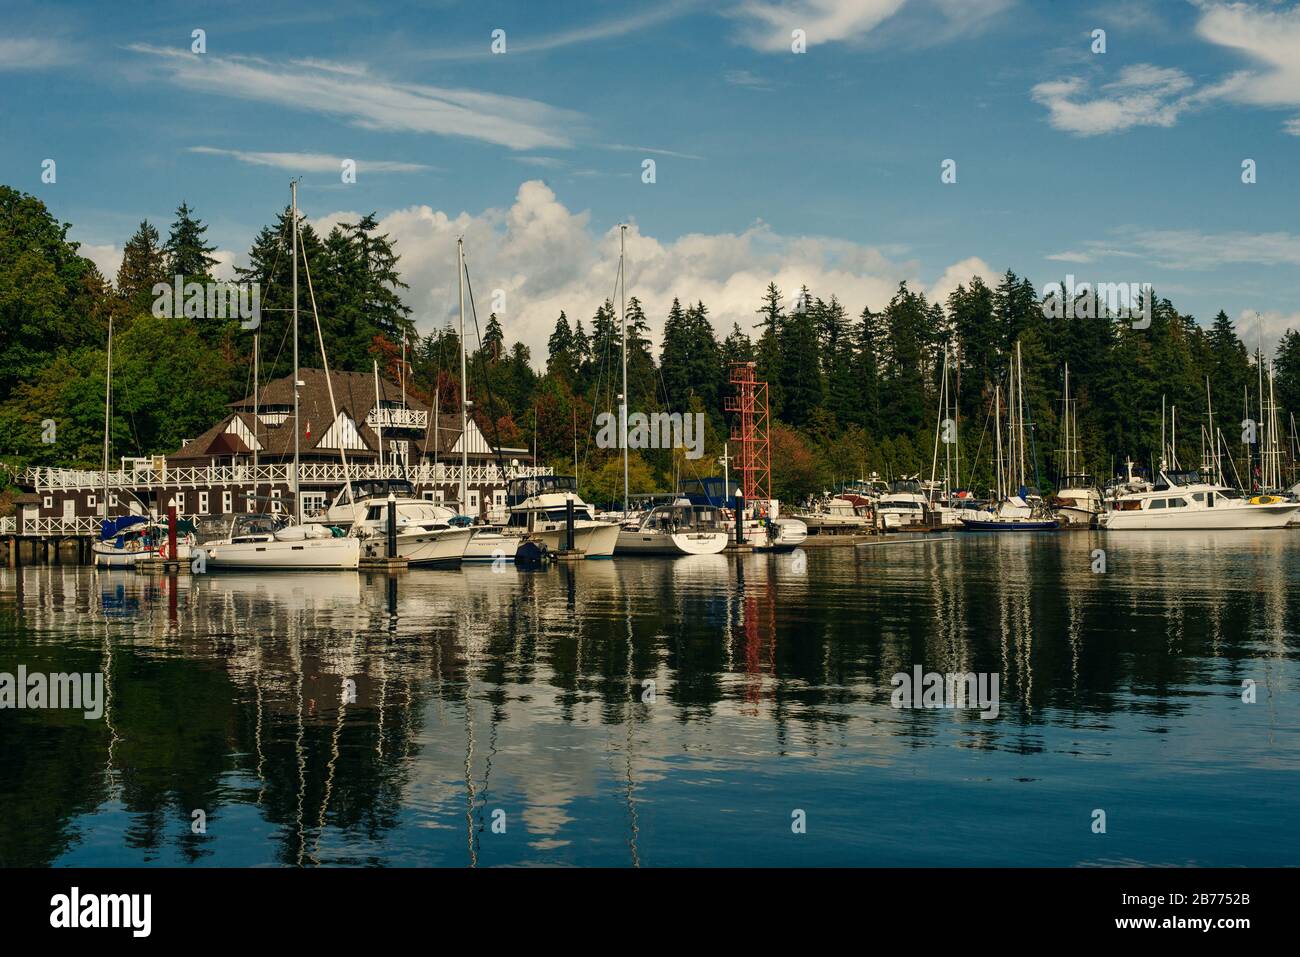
{"points": [[115, 526]]}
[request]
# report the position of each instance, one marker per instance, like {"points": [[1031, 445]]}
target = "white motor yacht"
{"points": [[267, 541], [1180, 501]]}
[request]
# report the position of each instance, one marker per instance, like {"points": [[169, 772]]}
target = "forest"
{"points": [[853, 388]]}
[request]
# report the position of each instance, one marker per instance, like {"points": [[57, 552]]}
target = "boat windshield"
{"points": [[520, 489]]}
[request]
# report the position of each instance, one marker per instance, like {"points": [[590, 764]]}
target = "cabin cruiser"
{"points": [[764, 529], [490, 544], [903, 506], [269, 541], [1078, 502], [1181, 500], [676, 529], [538, 511], [428, 533], [838, 512]]}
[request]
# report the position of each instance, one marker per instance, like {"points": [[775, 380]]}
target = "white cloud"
{"points": [[1190, 249], [33, 53], [747, 78], [1264, 329], [369, 102], [107, 258], [548, 258], [310, 162], [1142, 95], [1147, 95], [959, 274], [766, 25]]}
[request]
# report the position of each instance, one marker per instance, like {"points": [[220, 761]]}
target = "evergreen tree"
{"points": [[187, 252], [144, 264]]}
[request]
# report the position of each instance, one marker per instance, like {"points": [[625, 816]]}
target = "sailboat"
{"points": [[946, 432], [265, 541], [1078, 502], [1011, 511]]}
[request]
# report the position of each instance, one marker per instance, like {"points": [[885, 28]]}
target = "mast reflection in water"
{"points": [[649, 712]]}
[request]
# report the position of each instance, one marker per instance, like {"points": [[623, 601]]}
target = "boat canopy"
{"points": [[114, 527], [709, 491]]}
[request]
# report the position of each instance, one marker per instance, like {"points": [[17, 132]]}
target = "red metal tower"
{"points": [[749, 429]]}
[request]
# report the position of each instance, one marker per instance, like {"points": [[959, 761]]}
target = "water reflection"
{"points": [[665, 712]]}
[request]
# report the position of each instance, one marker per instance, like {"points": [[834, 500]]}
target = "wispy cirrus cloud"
{"points": [[310, 162], [361, 99], [766, 25], [33, 53], [1188, 249]]}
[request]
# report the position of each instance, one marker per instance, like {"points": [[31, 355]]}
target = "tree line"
{"points": [[850, 393]]}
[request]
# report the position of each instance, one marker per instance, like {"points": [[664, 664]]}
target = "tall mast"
{"points": [[379, 418], [257, 338], [622, 409], [108, 398], [464, 389], [297, 424], [997, 420]]}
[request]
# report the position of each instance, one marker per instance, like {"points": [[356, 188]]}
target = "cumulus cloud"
{"points": [[766, 25], [546, 258], [107, 258], [1142, 95]]}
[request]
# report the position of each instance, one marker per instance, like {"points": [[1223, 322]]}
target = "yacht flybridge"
{"points": [[1180, 500]]}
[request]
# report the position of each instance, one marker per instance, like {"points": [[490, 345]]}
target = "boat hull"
{"points": [[1209, 519], [423, 548], [109, 557], [595, 540], [307, 553], [1008, 525], [637, 542], [491, 547]]}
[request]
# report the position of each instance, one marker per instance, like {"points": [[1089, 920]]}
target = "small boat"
{"points": [[124, 541], [539, 509], [903, 506], [677, 529]]}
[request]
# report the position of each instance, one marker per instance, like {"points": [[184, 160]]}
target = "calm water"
{"points": [[525, 693]]}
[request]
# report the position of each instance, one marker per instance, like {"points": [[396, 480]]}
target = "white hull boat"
{"points": [[422, 546], [677, 529], [1180, 501], [490, 545]]}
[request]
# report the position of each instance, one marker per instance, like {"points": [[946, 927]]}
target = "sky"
{"points": [[803, 142]]}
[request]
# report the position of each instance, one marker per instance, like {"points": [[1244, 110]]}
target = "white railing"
{"points": [[397, 419], [309, 474], [59, 526], [8, 525]]}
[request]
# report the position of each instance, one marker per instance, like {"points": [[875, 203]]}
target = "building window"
{"points": [[48, 501], [473, 501], [179, 502], [275, 501], [112, 500], [227, 502], [499, 498], [250, 502], [203, 503], [313, 502], [91, 502]]}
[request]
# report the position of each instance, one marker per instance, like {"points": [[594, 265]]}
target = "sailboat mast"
{"points": [[622, 412], [257, 340], [297, 423], [997, 420], [108, 399], [464, 391], [379, 418]]}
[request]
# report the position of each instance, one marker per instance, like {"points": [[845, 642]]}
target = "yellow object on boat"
{"points": [[1265, 500]]}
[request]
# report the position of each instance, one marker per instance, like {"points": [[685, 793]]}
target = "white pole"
{"points": [[622, 412], [297, 424], [464, 389]]}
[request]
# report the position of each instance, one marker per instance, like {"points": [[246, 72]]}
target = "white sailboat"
{"points": [[676, 529], [1078, 501], [1011, 511], [261, 541]]}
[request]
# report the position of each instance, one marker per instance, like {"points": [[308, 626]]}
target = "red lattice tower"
{"points": [[749, 431]]}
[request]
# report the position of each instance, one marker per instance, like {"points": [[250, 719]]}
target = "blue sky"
{"points": [[820, 167]]}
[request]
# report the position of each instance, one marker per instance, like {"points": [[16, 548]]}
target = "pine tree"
{"points": [[187, 252], [768, 355], [144, 263]]}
